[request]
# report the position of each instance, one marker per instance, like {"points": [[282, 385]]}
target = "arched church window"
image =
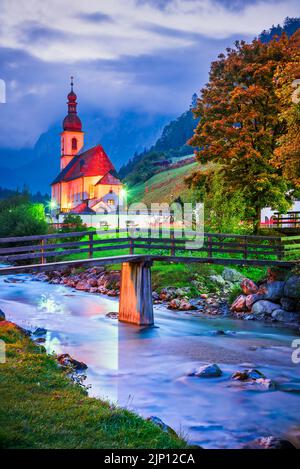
{"points": [[74, 143]]}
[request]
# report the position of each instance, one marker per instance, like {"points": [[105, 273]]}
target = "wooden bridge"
{"points": [[32, 254]]}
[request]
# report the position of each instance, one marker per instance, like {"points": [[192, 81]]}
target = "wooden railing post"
{"points": [[172, 242], [280, 254], [43, 259], [245, 254], [209, 246], [91, 238], [131, 246]]}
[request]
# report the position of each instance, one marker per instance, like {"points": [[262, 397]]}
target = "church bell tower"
{"points": [[72, 137]]}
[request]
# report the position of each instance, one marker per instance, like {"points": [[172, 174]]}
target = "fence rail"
{"points": [[90, 244]]}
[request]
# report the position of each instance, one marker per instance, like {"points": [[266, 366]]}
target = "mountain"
{"points": [[120, 135], [170, 145], [289, 27]]}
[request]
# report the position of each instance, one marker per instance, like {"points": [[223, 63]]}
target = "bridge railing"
{"points": [[89, 244]]}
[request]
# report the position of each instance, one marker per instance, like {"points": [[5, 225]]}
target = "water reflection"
{"points": [[145, 369]]}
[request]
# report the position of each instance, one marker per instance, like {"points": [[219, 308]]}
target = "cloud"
{"points": [[109, 30], [145, 54]]}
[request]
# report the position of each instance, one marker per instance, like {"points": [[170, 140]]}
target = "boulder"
{"points": [[218, 279], [208, 371], [40, 331], [66, 360], [263, 307], [239, 304], [82, 286], [159, 423], [185, 305], [92, 282], [93, 290], [270, 442], [245, 375], [155, 296], [248, 286], [174, 304], [289, 304], [284, 316], [292, 287], [265, 383], [272, 291], [232, 275], [251, 299], [112, 315], [2, 315]]}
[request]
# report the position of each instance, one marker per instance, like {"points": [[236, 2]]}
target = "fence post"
{"points": [[91, 238], [43, 259], [172, 240], [131, 246], [245, 247], [209, 246], [280, 254]]}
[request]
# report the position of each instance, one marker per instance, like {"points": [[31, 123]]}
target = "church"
{"points": [[87, 182]]}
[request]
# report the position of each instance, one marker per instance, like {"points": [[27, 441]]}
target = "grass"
{"points": [[165, 186], [181, 275], [42, 408]]}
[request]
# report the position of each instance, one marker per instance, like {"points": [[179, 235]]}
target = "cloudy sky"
{"points": [[124, 54]]}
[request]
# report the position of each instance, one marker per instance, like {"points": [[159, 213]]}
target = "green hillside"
{"points": [[165, 186]]}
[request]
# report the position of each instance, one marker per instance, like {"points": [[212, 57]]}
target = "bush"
{"points": [[26, 219], [72, 223]]}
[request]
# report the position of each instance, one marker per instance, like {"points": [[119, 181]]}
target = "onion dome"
{"points": [[71, 121]]}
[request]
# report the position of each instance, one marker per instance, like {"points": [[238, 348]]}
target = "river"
{"points": [[145, 369]]}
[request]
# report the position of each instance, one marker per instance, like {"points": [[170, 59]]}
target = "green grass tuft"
{"points": [[42, 408]]}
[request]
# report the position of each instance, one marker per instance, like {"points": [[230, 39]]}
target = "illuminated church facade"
{"points": [[87, 182]]}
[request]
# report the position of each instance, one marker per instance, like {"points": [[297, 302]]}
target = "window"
{"points": [[74, 143], [110, 202]]}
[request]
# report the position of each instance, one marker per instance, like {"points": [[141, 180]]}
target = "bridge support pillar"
{"points": [[136, 306]]}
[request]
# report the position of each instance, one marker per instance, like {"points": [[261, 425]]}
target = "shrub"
{"points": [[26, 219]]}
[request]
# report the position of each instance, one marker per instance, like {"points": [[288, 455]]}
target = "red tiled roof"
{"points": [[93, 162], [82, 208], [109, 179]]}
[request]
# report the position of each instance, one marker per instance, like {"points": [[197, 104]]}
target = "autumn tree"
{"points": [[287, 79], [240, 124]]}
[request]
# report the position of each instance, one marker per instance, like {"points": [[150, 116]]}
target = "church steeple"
{"points": [[72, 135], [72, 121]]}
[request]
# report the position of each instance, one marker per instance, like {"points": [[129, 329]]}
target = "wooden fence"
{"points": [[89, 244]]}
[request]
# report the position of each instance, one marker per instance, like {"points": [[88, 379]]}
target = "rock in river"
{"points": [[207, 371], [263, 307], [292, 287], [2, 315], [165, 428], [270, 442], [232, 275], [66, 360], [248, 286], [272, 291]]}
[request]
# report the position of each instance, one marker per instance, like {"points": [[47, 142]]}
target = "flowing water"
{"points": [[145, 369]]}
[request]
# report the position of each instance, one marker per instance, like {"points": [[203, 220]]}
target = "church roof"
{"points": [[109, 179], [82, 208], [93, 162]]}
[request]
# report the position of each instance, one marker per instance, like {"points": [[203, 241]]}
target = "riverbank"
{"points": [[42, 407], [248, 293]]}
